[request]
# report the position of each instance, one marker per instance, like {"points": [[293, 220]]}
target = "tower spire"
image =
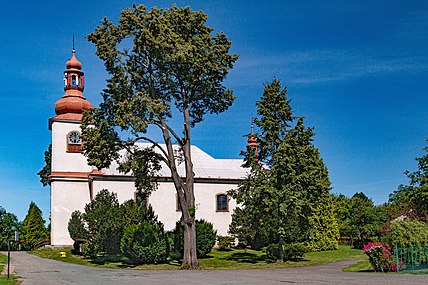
{"points": [[72, 104], [252, 140]]}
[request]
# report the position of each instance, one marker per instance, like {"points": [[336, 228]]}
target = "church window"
{"points": [[142, 198], [222, 203], [73, 80], [74, 142]]}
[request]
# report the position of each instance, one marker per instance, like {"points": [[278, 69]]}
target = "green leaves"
{"points": [[413, 198], [285, 197], [46, 170], [33, 226]]}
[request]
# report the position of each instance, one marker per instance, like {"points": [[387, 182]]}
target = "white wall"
{"points": [[63, 161], [66, 197]]}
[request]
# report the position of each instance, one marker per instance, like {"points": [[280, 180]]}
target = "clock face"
{"points": [[74, 138]]}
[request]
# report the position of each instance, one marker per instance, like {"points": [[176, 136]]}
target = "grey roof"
{"points": [[204, 166]]}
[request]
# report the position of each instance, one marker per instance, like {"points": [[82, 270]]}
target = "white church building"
{"points": [[74, 183]]}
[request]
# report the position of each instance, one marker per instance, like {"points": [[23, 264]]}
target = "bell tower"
{"points": [[70, 183], [65, 126]]}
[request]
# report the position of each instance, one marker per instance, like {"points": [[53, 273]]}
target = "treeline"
{"points": [[401, 221], [32, 229]]}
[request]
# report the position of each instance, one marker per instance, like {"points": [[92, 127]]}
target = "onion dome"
{"points": [[72, 104], [73, 63]]}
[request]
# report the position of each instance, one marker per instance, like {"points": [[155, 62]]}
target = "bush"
{"points": [[145, 243], [76, 227], [205, 238], [294, 251], [225, 242], [272, 252], [381, 256], [407, 234]]}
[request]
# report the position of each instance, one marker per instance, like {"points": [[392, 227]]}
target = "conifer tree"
{"points": [[285, 197], [33, 226]]}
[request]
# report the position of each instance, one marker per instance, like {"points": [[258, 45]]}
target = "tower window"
{"points": [[222, 203], [73, 80], [74, 142]]}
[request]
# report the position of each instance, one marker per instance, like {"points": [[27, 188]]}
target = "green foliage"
{"points": [[145, 243], [225, 242], [33, 226], [205, 237], [295, 251], [161, 62], [359, 219], [76, 227], [323, 232], [413, 198], [46, 170], [272, 252], [407, 234], [8, 225], [103, 224], [285, 197]]}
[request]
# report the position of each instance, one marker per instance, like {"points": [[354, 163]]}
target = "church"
{"points": [[74, 183]]}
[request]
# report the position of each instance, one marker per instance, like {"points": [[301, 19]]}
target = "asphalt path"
{"points": [[36, 270]]}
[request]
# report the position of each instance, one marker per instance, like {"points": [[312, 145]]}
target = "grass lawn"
{"points": [[362, 266], [3, 278], [233, 259]]}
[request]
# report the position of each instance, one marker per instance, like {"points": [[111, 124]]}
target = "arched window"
{"points": [[74, 142], [222, 203]]}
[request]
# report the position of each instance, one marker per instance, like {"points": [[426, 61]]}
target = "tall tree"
{"points": [[33, 226], [413, 198], [46, 170], [288, 181], [162, 62]]}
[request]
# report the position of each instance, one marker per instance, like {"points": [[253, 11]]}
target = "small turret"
{"points": [[72, 104], [252, 142]]}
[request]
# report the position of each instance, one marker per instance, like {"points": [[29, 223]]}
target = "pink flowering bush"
{"points": [[381, 256]]}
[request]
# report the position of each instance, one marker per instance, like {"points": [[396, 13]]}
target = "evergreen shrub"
{"points": [[225, 242], [294, 251], [205, 237], [145, 243]]}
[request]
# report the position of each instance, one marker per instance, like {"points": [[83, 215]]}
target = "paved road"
{"points": [[35, 270]]}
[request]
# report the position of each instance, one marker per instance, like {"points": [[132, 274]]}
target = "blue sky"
{"points": [[357, 70]]}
